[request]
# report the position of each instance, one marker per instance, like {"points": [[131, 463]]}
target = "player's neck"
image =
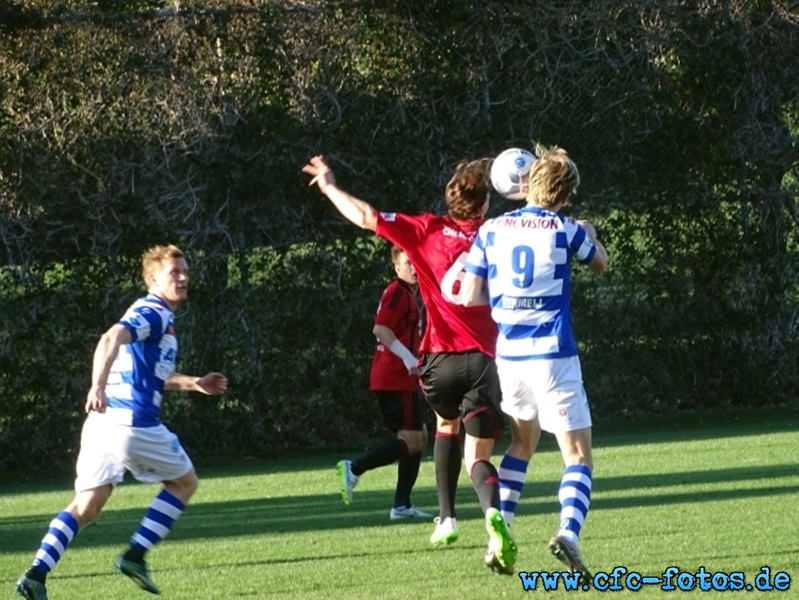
{"points": [[170, 304], [414, 287], [554, 209]]}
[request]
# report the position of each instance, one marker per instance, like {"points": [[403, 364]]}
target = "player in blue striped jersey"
{"points": [[520, 264], [134, 363]]}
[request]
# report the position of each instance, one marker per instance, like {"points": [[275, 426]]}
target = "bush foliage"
{"points": [[124, 124]]}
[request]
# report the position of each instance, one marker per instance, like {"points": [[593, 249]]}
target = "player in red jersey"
{"points": [[394, 380], [457, 368]]}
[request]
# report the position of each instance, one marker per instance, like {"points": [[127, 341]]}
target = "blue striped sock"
{"points": [[512, 475], [575, 498], [62, 529], [158, 521]]}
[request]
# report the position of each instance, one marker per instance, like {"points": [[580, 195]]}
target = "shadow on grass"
{"points": [[616, 432], [291, 513], [689, 426]]}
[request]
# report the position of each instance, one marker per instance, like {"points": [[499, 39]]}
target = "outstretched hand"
{"points": [[212, 384], [322, 175]]}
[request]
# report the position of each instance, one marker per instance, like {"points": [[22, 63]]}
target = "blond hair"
{"points": [[553, 178], [154, 257]]}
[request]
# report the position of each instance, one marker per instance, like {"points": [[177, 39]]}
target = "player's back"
{"points": [[438, 246], [527, 263]]}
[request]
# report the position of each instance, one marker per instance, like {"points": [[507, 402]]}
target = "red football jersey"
{"points": [[437, 247], [399, 311]]}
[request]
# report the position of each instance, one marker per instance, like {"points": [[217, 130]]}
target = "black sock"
{"points": [[447, 459], [36, 575], [134, 553], [384, 454], [486, 483], [407, 472]]}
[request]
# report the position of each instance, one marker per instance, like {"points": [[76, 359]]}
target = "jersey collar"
{"points": [[158, 300]]}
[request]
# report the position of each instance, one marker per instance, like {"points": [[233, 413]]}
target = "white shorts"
{"points": [[108, 449], [550, 389]]}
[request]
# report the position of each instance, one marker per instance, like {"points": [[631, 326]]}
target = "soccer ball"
{"points": [[508, 170]]}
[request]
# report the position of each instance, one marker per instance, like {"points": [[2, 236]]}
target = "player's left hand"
{"points": [[212, 384], [321, 173]]}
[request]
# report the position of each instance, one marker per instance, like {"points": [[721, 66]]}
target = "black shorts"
{"points": [[402, 410], [464, 385]]}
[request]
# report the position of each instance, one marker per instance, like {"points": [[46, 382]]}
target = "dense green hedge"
{"points": [[124, 124]]}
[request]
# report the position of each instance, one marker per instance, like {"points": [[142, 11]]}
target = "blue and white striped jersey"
{"points": [[525, 257], [136, 382]]}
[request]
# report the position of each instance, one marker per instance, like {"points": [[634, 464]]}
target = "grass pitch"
{"points": [[719, 494]]}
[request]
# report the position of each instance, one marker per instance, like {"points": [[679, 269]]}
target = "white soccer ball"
{"points": [[508, 171]]}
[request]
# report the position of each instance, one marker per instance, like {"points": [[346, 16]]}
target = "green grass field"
{"points": [[666, 493]]}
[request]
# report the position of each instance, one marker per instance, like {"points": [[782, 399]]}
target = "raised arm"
{"points": [[353, 209], [599, 263]]}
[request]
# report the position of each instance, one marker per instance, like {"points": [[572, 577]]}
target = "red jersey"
{"points": [[399, 312], [437, 247]]}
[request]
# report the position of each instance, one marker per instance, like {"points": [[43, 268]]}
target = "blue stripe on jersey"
{"points": [[480, 272], [579, 238], [136, 380], [529, 303], [520, 332], [590, 256], [525, 257], [561, 271]]}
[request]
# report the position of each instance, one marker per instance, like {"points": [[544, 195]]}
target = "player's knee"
{"points": [[448, 426], [522, 449], [578, 457], [415, 442], [579, 460], [86, 508], [86, 515], [416, 448], [184, 487], [482, 425], [191, 486], [576, 448]]}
